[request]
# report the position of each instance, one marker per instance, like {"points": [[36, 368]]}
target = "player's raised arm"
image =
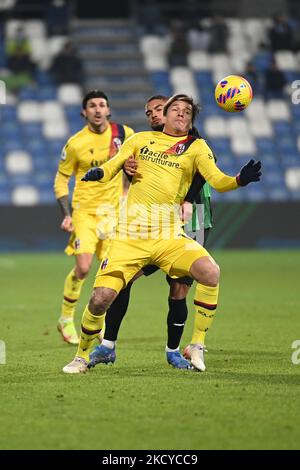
{"points": [[220, 181], [107, 171]]}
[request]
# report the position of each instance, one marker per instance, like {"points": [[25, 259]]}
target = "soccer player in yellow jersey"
{"points": [[91, 147], [147, 234], [179, 287]]}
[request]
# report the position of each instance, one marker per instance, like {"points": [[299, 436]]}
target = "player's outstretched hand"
{"points": [[249, 173], [94, 174], [130, 166]]}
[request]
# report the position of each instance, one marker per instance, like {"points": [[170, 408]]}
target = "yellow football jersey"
{"points": [[83, 151], [166, 166]]}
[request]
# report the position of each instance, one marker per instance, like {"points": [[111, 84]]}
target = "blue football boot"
{"points": [[103, 355], [177, 360]]}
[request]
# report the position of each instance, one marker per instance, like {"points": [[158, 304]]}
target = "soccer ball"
{"points": [[233, 93]]}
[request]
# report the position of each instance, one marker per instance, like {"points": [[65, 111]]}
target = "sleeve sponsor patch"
{"points": [[63, 154]]}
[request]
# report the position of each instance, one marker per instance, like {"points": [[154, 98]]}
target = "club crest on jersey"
{"points": [[104, 263], [117, 142], [77, 243], [180, 149]]}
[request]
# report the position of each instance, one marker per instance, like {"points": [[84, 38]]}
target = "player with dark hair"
{"points": [[92, 146], [167, 161], [179, 287]]}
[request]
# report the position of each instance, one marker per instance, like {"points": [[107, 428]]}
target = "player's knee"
{"points": [[178, 291], [101, 300], [213, 276], [206, 272], [82, 270]]}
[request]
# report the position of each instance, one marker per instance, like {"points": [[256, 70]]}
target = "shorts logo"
{"points": [[104, 263], [77, 244]]}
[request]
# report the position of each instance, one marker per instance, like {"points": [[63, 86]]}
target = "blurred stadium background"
{"points": [[51, 52]]}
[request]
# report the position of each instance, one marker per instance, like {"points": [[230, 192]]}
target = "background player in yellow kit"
{"points": [[95, 144], [167, 164]]}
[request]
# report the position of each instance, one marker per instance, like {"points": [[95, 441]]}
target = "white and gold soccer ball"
{"points": [[233, 93]]}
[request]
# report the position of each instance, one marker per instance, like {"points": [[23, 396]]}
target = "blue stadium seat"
{"points": [[2, 53], [290, 160], [203, 78], [230, 168], [262, 60], [76, 121], [73, 113], [225, 159], [55, 146], [295, 109], [215, 195], [296, 127], [278, 194], [4, 181], [43, 78], [54, 161], [37, 147], [255, 192], [282, 128], [10, 130], [210, 108], [269, 160], [234, 196], [76, 126], [291, 75], [17, 180], [207, 96], [2, 157], [41, 162], [8, 112], [273, 178], [286, 145], [265, 145], [44, 179], [48, 92], [47, 196], [294, 195], [221, 147], [32, 130], [28, 93], [161, 82], [11, 145], [5, 197]]}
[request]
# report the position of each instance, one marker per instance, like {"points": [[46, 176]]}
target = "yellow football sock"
{"points": [[205, 302], [72, 291], [91, 325]]}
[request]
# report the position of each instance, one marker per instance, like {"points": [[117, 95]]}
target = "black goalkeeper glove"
{"points": [[94, 174], [249, 173]]}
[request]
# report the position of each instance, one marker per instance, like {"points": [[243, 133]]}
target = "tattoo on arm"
{"points": [[63, 203]]}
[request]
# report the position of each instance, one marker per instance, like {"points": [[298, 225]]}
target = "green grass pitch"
{"points": [[249, 398]]}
